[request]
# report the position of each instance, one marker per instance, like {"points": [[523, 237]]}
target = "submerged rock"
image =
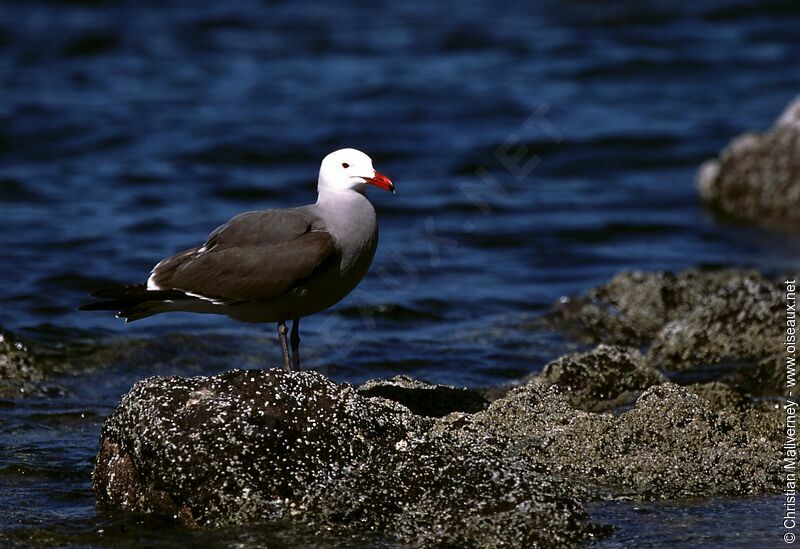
{"points": [[20, 374], [756, 178], [251, 445], [601, 379], [37, 368]]}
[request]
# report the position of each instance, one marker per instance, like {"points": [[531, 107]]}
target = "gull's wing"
{"points": [[256, 256]]}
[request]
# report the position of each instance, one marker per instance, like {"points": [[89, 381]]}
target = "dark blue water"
{"points": [[537, 151]]}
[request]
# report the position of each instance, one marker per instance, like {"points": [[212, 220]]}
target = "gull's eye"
{"points": [[345, 165]]}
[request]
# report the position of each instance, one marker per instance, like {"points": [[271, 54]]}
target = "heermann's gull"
{"points": [[271, 265]]}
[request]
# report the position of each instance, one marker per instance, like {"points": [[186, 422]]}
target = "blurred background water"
{"points": [[129, 130]]}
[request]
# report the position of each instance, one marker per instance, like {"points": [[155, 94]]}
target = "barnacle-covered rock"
{"points": [[725, 323], [741, 324], [671, 444], [602, 379], [237, 446], [632, 307], [253, 445]]}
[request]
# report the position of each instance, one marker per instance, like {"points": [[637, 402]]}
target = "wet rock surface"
{"points": [[436, 491], [233, 447], [601, 379], [670, 444], [253, 445], [761, 419], [756, 179]]}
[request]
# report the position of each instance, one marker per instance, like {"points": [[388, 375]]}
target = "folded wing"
{"points": [[256, 256]]}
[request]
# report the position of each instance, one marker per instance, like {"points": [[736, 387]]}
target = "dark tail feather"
{"points": [[133, 301]]}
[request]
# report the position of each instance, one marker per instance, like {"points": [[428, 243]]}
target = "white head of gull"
{"points": [[350, 170]]}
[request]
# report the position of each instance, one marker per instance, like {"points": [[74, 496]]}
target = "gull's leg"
{"points": [[284, 347], [295, 340]]}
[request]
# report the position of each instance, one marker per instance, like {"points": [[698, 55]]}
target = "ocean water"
{"points": [[537, 151]]}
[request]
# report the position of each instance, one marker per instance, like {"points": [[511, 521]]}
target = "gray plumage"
{"points": [[256, 256]]}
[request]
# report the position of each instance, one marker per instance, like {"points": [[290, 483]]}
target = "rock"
{"points": [[254, 445], [756, 179], [739, 324], [234, 447], [723, 325], [720, 396], [423, 398], [634, 306], [760, 419], [20, 374], [602, 379], [452, 495], [33, 368], [672, 444]]}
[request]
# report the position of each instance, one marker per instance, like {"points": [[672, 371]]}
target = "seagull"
{"points": [[270, 265]]}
